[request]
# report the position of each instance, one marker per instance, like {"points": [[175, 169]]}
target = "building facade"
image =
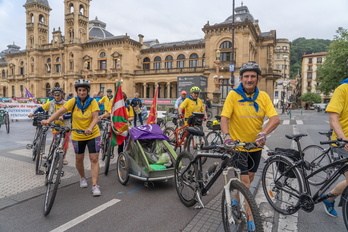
{"points": [[85, 49], [309, 82]]}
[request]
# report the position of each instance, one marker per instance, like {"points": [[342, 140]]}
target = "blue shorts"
{"points": [[92, 144]]}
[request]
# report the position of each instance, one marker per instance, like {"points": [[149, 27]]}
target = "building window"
{"points": [[71, 65], [224, 88], [180, 63], [13, 91], [310, 68], [319, 60], [102, 87], [157, 62], [309, 76], [203, 60], [21, 89], [193, 62], [58, 65], [309, 84], [3, 74], [284, 66], [277, 66], [48, 65], [146, 63], [48, 88], [102, 61], [278, 56], [102, 55], [285, 48], [169, 62], [225, 44], [226, 55], [309, 60]]}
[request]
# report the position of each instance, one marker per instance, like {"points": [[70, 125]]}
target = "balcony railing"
{"points": [[169, 71]]}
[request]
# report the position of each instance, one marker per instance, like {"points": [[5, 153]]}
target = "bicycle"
{"points": [[191, 185], [105, 144], [214, 136], [285, 181], [35, 146], [54, 165], [181, 136], [318, 157], [5, 119]]}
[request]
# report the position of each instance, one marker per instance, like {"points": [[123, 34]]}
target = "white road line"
{"points": [[299, 122], [286, 122], [85, 216]]}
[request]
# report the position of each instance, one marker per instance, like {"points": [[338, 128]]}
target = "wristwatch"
{"points": [[226, 134]]}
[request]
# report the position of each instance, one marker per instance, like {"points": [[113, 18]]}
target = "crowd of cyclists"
{"points": [[242, 119]]}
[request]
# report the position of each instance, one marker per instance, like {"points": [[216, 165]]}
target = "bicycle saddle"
{"points": [[195, 131], [295, 136], [218, 117]]}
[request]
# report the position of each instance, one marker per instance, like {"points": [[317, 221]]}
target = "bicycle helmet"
{"points": [[109, 90], [57, 89], [195, 89], [82, 83], [250, 66]]}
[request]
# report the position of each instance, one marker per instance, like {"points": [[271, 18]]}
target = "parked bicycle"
{"points": [[5, 119], [39, 136], [54, 165], [237, 204], [214, 137], [106, 149], [285, 181]]}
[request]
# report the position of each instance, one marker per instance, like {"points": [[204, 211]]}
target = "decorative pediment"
{"points": [[116, 55], [86, 58]]}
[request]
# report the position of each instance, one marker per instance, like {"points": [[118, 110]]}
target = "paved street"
{"points": [[23, 189]]}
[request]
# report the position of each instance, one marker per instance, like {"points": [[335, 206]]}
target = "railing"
{"points": [[170, 71]]}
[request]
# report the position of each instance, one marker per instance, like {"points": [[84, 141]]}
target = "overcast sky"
{"points": [[170, 21]]}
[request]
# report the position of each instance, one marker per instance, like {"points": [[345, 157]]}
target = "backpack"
{"points": [[294, 155]]}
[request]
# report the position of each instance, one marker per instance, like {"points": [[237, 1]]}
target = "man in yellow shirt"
{"points": [[192, 104], [242, 118]]}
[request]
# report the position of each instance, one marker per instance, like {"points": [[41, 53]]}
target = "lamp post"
{"points": [[285, 57], [86, 69], [118, 69], [232, 55], [217, 79]]}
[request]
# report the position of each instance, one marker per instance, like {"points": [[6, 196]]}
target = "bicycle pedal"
{"points": [[62, 174], [40, 172], [29, 146]]}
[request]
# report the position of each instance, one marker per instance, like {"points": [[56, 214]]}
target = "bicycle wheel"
{"points": [[40, 151], [7, 123], [239, 217], [104, 147], [282, 192], [316, 157], [35, 141], [209, 115], [214, 138], [122, 168], [169, 132], [109, 154], [344, 201], [185, 179], [53, 180], [193, 143]]}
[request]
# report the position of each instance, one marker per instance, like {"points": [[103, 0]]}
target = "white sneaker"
{"points": [[96, 191], [83, 183]]}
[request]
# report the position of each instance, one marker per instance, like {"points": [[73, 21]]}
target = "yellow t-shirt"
{"points": [[130, 112], [82, 121], [245, 123], [106, 101], [339, 104], [191, 106], [46, 107]]}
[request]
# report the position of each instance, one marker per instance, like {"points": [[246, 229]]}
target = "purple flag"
{"points": [[152, 131], [28, 93]]}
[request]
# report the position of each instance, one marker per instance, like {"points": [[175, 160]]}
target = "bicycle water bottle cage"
{"points": [[195, 131]]}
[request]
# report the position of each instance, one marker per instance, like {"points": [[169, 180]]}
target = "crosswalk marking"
{"points": [[286, 122], [299, 122]]}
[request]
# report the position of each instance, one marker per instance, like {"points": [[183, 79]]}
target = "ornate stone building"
{"points": [[86, 50]]}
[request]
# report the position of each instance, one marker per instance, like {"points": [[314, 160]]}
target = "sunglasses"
{"points": [[56, 94]]}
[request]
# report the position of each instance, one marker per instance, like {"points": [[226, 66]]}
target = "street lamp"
{"points": [[217, 81], [285, 57], [86, 68]]}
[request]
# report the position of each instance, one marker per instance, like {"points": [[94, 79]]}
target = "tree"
{"points": [[334, 68], [310, 98]]}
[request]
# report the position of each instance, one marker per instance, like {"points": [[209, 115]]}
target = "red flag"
{"points": [[153, 111], [119, 118]]}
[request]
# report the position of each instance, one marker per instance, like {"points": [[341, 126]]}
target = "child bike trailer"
{"points": [[147, 155]]}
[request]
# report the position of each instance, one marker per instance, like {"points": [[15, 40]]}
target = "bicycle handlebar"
{"points": [[339, 142], [61, 128], [231, 145]]}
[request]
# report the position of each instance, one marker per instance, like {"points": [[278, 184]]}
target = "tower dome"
{"points": [[45, 2], [97, 29], [241, 14]]}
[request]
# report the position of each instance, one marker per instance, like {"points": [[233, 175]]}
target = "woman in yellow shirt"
{"points": [[84, 116]]}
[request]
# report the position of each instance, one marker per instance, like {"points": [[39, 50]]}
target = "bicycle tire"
{"points": [[53, 180], [185, 179], [40, 150], [239, 211], [314, 155], [344, 201], [193, 143], [214, 138], [105, 145], [122, 168], [169, 132], [209, 115], [33, 152], [108, 157], [7, 123], [282, 192]]}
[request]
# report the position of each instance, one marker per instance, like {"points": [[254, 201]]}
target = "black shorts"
{"points": [[247, 161], [92, 144]]}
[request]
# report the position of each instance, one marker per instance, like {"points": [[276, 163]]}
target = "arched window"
{"points": [[226, 51], [203, 60], [3, 74], [41, 18], [82, 10], [146, 63], [169, 61], [58, 59], [48, 88], [31, 18], [32, 64], [58, 65], [71, 8], [57, 85], [180, 63], [102, 60], [193, 62], [157, 62], [21, 68]]}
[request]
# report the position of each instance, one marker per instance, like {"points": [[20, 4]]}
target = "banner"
{"points": [[19, 110]]}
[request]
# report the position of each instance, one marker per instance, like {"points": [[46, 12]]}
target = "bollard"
{"points": [[290, 114]]}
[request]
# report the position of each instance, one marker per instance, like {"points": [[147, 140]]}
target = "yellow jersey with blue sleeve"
{"points": [[245, 123], [191, 106], [82, 120], [129, 109], [46, 107], [339, 104]]}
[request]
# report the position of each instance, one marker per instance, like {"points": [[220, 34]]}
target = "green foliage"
{"points": [[335, 66], [310, 98], [302, 45]]}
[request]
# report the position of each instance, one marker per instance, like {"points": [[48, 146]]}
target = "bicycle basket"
{"points": [[196, 119], [290, 153]]}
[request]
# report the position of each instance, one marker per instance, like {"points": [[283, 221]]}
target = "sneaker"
{"points": [[329, 208], [83, 183], [65, 162], [96, 191], [251, 226]]}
